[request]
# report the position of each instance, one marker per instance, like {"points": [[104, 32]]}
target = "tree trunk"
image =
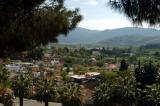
{"points": [[46, 103], [21, 101]]}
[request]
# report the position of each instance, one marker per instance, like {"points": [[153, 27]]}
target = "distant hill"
{"points": [[120, 36], [134, 40], [79, 35]]}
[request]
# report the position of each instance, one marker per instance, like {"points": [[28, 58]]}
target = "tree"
{"points": [[123, 65], [100, 63], [26, 24], [146, 75], [37, 53], [139, 11], [45, 91], [21, 86], [71, 95], [6, 94], [152, 96], [117, 90], [4, 74]]}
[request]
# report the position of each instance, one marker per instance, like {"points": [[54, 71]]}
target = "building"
{"points": [[85, 77]]}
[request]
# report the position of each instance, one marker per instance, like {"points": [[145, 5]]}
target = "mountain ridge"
{"points": [[87, 36]]}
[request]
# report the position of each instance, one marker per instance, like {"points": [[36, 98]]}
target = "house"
{"points": [[111, 67], [55, 62], [18, 66], [93, 61], [85, 77], [95, 51]]}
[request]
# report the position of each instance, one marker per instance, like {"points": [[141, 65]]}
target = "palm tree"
{"points": [[21, 86], [71, 95], [4, 74], [6, 94], [45, 91], [120, 90]]}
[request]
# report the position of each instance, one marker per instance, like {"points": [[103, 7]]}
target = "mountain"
{"points": [[135, 40], [79, 35], [120, 36]]}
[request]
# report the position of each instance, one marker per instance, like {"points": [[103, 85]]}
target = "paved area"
{"points": [[34, 103]]}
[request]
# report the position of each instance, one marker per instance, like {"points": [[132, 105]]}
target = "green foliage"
{"points": [[147, 74], [64, 75], [21, 85], [4, 78], [117, 90], [108, 75], [152, 95], [132, 59], [100, 64], [45, 91], [26, 24], [71, 94], [79, 69], [138, 10], [37, 53], [123, 65], [4, 74]]}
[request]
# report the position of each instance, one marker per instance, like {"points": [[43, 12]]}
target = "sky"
{"points": [[97, 15]]}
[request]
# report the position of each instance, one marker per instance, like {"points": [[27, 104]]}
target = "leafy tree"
{"points": [[123, 65], [21, 86], [26, 24], [139, 10], [146, 75]]}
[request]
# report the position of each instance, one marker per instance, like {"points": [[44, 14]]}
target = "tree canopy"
{"points": [[139, 11], [26, 24]]}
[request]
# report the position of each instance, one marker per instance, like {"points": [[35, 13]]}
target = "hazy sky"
{"points": [[98, 15]]}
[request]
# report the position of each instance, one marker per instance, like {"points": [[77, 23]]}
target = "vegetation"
{"points": [[123, 65], [120, 90], [28, 24], [147, 74], [126, 88], [71, 95], [138, 10], [21, 87], [45, 91], [6, 94]]}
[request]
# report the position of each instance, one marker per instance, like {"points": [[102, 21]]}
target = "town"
{"points": [[79, 53], [52, 69]]}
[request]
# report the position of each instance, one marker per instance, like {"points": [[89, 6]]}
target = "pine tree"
{"points": [[146, 75], [123, 65]]}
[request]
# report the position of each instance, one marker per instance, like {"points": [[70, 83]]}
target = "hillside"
{"points": [[134, 40], [124, 36]]}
